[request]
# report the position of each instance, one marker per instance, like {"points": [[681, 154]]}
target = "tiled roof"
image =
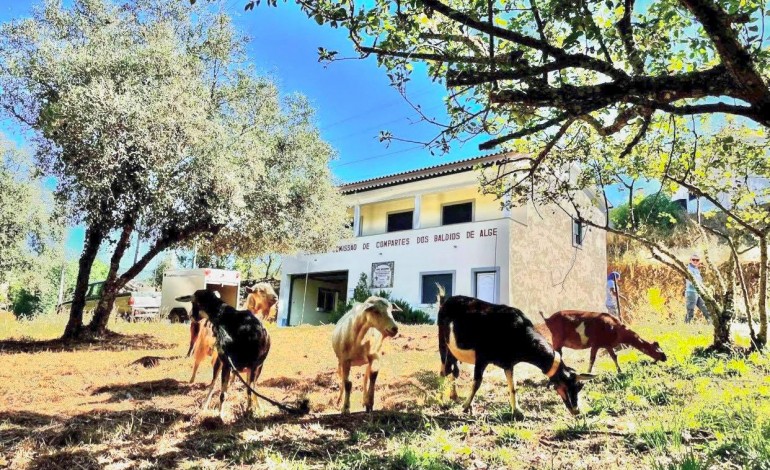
{"points": [[427, 172]]}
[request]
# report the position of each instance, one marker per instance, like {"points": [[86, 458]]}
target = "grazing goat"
{"points": [[261, 300], [577, 329], [357, 340], [242, 341], [480, 333]]}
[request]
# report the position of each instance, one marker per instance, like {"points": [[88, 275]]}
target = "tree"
{"points": [[521, 67], [30, 234], [612, 71], [151, 120], [28, 226], [657, 212], [725, 168], [166, 264]]}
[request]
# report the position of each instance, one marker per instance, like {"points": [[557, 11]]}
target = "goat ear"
{"points": [[185, 298], [656, 344], [585, 377]]}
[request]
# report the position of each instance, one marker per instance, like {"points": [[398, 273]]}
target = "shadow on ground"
{"points": [[109, 342], [96, 438], [146, 390]]}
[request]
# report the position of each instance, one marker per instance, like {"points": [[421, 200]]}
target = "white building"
{"points": [[414, 229]]}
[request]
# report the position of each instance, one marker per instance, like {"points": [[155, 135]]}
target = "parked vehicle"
{"points": [[129, 305], [181, 282]]}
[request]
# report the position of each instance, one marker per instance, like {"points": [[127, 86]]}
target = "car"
{"points": [[129, 305]]}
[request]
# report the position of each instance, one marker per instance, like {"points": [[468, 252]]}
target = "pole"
{"points": [[617, 298]]}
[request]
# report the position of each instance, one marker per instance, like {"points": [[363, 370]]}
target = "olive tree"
{"points": [[152, 121]]}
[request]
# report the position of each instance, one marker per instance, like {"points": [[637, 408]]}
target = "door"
{"points": [[486, 286]]}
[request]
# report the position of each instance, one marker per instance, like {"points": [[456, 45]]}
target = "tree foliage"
{"points": [[601, 87], [28, 225], [151, 119], [521, 67], [656, 212]]}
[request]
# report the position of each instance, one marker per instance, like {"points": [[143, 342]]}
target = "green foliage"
{"points": [[656, 213], [150, 118], [29, 228], [361, 292], [408, 315], [168, 262]]}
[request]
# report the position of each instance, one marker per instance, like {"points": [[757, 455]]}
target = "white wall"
{"points": [[411, 258]]}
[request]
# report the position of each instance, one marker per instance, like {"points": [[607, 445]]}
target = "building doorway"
{"points": [[314, 296], [486, 284]]}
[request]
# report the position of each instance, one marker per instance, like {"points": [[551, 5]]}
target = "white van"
{"points": [[179, 282]]}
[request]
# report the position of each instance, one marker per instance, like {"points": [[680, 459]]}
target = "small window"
{"points": [[430, 290], [326, 300], [457, 213], [95, 290], [400, 221], [578, 232]]}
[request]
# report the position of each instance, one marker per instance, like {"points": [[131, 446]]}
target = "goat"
{"points": [[242, 342], [357, 340], [261, 300], [481, 333], [577, 329]]}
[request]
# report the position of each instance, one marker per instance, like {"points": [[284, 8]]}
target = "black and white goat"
{"points": [[242, 341], [480, 333]]}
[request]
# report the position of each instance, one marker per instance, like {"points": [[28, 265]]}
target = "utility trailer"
{"points": [[179, 282]]}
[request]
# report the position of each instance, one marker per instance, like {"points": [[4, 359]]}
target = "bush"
{"points": [[408, 315]]}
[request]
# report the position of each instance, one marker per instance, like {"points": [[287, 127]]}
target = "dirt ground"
{"points": [[97, 407]]}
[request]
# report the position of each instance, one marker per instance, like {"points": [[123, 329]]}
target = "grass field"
{"points": [[93, 408]]}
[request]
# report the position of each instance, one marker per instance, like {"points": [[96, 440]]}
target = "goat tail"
{"points": [[441, 297], [542, 315]]}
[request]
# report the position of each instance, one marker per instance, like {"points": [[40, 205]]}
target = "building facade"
{"points": [[413, 230]]}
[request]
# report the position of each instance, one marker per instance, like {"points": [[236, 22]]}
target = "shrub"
{"points": [[408, 315]]}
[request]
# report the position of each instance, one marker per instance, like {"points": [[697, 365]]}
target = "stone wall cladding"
{"points": [[548, 273]]}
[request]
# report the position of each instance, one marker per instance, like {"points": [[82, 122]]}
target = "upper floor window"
{"points": [[578, 232], [457, 213], [400, 221]]}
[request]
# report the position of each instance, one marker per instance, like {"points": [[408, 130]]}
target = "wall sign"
{"points": [[382, 275]]}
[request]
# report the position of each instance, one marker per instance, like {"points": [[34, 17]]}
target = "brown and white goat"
{"points": [[577, 329], [261, 300], [357, 340]]}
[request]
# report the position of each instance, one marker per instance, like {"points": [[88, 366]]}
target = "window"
{"points": [[578, 233], [400, 221], [326, 300], [430, 290], [95, 290], [457, 213]]}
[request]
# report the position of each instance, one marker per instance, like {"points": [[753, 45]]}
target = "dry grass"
{"points": [[102, 408]]}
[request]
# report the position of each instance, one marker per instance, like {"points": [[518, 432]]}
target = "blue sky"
{"points": [[353, 98]]}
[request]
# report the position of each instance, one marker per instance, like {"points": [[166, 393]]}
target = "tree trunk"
{"points": [[722, 318], [90, 249], [98, 325], [763, 269]]}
